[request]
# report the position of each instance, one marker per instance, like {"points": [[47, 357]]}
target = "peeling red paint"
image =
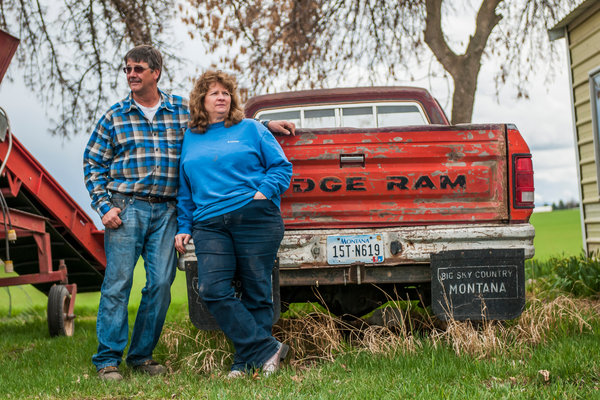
{"points": [[425, 188], [426, 178]]}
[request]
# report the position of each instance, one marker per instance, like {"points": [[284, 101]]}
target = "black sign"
{"points": [[478, 284]]}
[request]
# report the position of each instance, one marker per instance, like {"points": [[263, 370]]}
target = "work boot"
{"points": [[110, 373], [273, 364], [151, 368]]}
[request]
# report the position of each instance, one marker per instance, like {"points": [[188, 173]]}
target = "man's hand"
{"points": [[282, 127], [181, 239], [111, 219]]}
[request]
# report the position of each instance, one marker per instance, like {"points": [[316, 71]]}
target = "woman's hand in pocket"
{"points": [[259, 196]]}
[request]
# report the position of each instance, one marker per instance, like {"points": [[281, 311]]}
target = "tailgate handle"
{"points": [[352, 160]]}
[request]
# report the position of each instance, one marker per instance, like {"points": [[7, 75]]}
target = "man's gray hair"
{"points": [[148, 54]]}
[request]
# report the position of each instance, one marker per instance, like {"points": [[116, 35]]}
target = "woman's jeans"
{"points": [[148, 230], [241, 244]]}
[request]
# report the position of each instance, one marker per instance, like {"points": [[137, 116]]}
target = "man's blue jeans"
{"points": [[148, 230], [241, 244]]}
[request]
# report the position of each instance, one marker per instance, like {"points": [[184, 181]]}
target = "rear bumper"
{"points": [[303, 259], [412, 245]]}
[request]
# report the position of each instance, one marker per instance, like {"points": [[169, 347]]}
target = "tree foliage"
{"points": [[305, 43], [71, 50]]}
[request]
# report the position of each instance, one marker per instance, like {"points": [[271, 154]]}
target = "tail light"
{"points": [[523, 189]]}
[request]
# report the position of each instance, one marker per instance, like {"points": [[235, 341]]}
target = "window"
{"points": [[292, 116], [595, 86], [399, 115], [595, 103], [324, 118], [360, 115]]}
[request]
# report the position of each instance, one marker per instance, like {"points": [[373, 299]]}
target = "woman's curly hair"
{"points": [[198, 115]]}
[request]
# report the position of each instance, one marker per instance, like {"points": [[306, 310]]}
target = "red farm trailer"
{"points": [[45, 236]]}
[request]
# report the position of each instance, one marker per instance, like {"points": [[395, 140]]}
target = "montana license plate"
{"points": [[348, 249]]}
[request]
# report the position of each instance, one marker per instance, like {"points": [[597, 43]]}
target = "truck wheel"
{"points": [[59, 323]]}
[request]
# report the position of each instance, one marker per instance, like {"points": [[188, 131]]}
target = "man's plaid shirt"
{"points": [[128, 154]]}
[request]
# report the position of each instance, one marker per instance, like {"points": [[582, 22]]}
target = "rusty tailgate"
{"points": [[396, 176]]}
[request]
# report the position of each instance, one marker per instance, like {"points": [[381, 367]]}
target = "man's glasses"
{"points": [[138, 69]]}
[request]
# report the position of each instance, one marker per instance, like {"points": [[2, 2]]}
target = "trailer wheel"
{"points": [[59, 323]]}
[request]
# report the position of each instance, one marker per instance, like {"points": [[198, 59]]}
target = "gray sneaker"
{"points": [[110, 373], [151, 368], [235, 374], [273, 364]]}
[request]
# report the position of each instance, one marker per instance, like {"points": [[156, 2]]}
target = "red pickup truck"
{"points": [[388, 200]]}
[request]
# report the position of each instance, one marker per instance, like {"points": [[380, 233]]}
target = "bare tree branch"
{"points": [[376, 41], [71, 50]]}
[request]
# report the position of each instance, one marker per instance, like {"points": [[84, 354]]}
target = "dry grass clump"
{"points": [[200, 351], [321, 336], [542, 318], [480, 339], [385, 341], [391, 331], [313, 336], [318, 336], [538, 323]]}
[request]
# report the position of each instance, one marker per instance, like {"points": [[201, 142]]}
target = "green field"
{"points": [[26, 296], [558, 233]]}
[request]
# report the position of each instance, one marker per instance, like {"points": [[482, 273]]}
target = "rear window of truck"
{"points": [[363, 115]]}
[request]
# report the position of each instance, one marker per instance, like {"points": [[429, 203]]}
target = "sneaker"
{"points": [[150, 367], [110, 373], [273, 364], [235, 374]]}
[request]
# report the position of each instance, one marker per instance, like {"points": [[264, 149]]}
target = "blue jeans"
{"points": [[148, 230], [241, 244]]}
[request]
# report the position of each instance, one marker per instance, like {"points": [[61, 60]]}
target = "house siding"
{"points": [[583, 39]]}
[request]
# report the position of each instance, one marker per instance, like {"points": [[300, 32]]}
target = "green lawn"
{"points": [[557, 233], [25, 297], [32, 365]]}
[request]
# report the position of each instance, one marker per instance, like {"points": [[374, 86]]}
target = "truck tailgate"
{"points": [[418, 175]]}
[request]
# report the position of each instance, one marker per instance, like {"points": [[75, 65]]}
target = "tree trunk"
{"points": [[464, 68], [465, 86]]}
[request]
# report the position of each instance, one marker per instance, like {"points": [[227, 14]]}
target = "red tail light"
{"points": [[523, 189]]}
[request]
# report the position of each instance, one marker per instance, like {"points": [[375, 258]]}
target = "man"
{"points": [[131, 171]]}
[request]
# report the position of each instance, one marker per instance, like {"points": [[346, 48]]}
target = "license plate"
{"points": [[348, 249]]}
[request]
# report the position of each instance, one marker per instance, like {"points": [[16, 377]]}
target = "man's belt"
{"points": [[149, 199]]}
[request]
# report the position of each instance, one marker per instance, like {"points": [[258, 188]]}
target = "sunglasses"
{"points": [[138, 69]]}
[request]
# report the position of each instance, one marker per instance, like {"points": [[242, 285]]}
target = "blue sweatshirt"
{"points": [[222, 169]]}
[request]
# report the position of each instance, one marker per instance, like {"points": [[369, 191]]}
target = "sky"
{"points": [[544, 120]]}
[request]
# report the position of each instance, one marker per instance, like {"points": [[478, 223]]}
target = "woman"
{"points": [[232, 173]]}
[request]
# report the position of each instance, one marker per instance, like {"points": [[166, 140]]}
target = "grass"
{"points": [[436, 364], [24, 297], [551, 351], [557, 234]]}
